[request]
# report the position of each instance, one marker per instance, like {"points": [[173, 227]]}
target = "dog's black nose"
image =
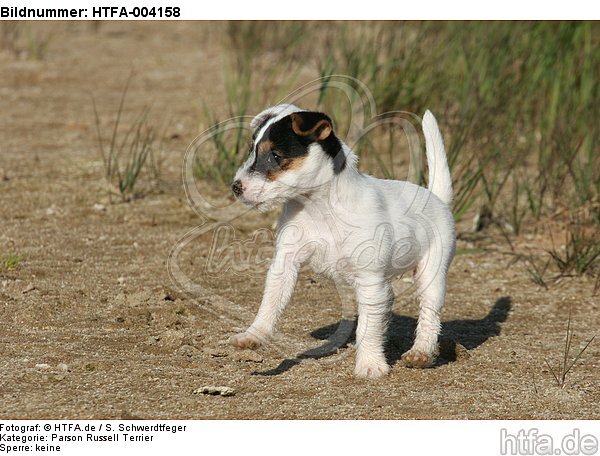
{"points": [[237, 188]]}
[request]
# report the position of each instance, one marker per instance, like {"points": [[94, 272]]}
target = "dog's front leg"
{"points": [[279, 287]]}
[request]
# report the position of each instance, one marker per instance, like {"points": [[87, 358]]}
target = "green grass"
{"points": [[130, 150], [519, 104], [580, 250], [566, 364], [10, 261]]}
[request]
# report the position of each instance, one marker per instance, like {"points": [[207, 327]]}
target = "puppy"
{"points": [[352, 227]]}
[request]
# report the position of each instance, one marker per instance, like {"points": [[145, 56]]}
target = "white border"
{"points": [[265, 438], [335, 10]]}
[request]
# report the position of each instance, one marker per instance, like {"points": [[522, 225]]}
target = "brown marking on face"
{"points": [[265, 146], [286, 164]]}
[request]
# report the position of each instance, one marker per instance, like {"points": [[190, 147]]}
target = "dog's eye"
{"points": [[276, 156]]}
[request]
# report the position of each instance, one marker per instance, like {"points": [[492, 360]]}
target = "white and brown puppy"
{"points": [[350, 226]]}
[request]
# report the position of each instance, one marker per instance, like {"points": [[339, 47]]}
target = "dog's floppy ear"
{"points": [[314, 125]]}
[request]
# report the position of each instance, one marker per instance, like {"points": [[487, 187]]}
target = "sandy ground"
{"points": [[93, 290]]}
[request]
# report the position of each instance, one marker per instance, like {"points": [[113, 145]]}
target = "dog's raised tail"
{"points": [[440, 181]]}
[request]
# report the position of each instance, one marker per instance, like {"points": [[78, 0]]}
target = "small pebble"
{"points": [[187, 350], [152, 340], [99, 207], [216, 391], [63, 367], [52, 210], [121, 280], [42, 366]]}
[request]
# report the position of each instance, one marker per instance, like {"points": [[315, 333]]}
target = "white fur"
{"points": [[360, 230], [440, 182]]}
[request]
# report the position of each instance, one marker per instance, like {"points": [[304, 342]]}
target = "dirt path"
{"points": [[138, 347]]}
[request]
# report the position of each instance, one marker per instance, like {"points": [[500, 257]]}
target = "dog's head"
{"points": [[292, 152]]}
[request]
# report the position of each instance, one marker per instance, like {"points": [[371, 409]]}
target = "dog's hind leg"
{"points": [[375, 299], [431, 288]]}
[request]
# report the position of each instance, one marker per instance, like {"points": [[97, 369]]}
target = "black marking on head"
{"points": [[260, 123], [285, 143], [278, 150], [333, 148]]}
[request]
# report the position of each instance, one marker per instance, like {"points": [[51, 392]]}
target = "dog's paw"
{"points": [[245, 340], [371, 369], [417, 359]]}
